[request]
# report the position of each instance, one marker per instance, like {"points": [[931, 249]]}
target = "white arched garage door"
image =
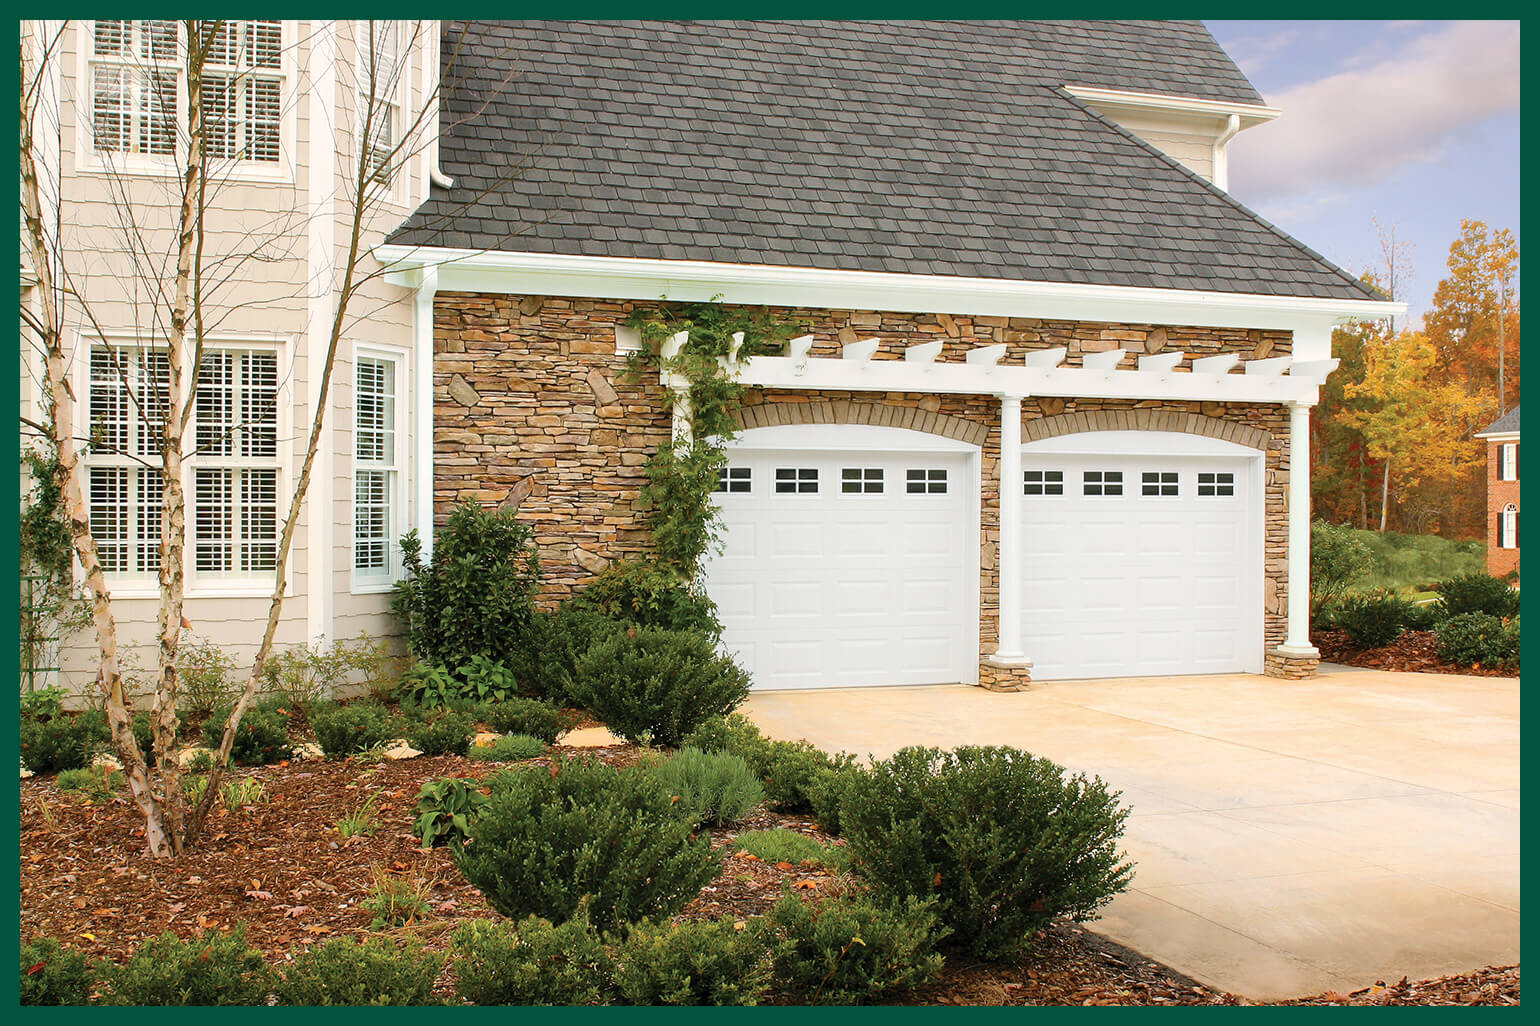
{"points": [[849, 557], [1141, 555]]}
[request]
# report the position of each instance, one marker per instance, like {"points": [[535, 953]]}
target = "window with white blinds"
{"points": [[379, 108], [138, 85], [231, 452], [375, 470]]}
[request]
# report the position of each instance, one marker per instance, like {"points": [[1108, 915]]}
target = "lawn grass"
{"points": [[1412, 563]]}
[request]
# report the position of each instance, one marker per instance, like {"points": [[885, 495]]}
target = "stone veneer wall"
{"points": [[532, 411]]}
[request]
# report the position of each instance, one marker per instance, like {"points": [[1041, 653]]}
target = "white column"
{"points": [[1298, 643], [422, 407], [1008, 558]]}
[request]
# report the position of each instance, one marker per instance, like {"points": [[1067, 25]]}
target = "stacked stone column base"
{"points": [[1004, 678], [1288, 666]]}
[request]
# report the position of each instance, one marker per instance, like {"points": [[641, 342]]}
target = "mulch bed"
{"points": [[282, 868], [1412, 652]]}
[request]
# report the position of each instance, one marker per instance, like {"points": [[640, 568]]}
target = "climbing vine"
{"points": [[51, 607], [681, 477]]}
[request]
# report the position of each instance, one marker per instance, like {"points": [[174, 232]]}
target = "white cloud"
{"points": [[1253, 53], [1360, 126]]}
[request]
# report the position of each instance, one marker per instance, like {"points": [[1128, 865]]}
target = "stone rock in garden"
{"points": [[185, 759], [399, 749], [25, 773], [308, 750], [109, 761], [484, 738], [591, 737]]}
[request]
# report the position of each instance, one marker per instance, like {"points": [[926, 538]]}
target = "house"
{"points": [[1041, 423], [284, 132], [1502, 438]]}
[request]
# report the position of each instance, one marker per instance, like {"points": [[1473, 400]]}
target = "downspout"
{"points": [[1221, 155], [422, 395], [433, 89]]}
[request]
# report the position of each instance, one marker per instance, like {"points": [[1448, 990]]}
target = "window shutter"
{"points": [[1502, 522]]}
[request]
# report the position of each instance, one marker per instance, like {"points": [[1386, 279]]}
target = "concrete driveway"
{"points": [[1291, 837]]}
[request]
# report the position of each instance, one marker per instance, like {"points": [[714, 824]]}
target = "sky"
{"points": [[1412, 123]]}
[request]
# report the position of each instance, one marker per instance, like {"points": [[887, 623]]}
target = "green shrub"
{"points": [[346, 972], [445, 810], [144, 737], [798, 777], [508, 748], [1425, 616], [345, 729], [530, 963], [442, 733], [54, 975], [62, 741], [1003, 839], [424, 686], [851, 950], [1339, 557], [734, 734], [203, 678], [719, 962], [483, 680], [525, 716], [211, 969], [262, 736], [304, 675], [547, 659], [650, 594], [475, 596], [395, 901], [98, 782], [657, 684], [1472, 639], [714, 788], [1478, 593], [545, 841], [1370, 620], [42, 703], [788, 846]]}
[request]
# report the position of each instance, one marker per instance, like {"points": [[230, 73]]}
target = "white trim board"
{"points": [[555, 274]]}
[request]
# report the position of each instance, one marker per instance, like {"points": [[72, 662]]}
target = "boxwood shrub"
{"points": [[1476, 639], [62, 740], [657, 685], [54, 975], [342, 730], [212, 968], [1005, 841], [262, 736], [1478, 593], [853, 950], [525, 716], [549, 839], [714, 962], [1371, 620], [531, 962], [346, 972]]}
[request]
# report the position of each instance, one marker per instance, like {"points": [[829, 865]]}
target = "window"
{"points": [[241, 91], [925, 482], [1159, 482], [861, 480], [375, 470], [735, 479], [1508, 461], [231, 453], [235, 462], [799, 479], [1042, 482], [137, 79], [1508, 527], [1216, 484], [1102, 482], [379, 73]]}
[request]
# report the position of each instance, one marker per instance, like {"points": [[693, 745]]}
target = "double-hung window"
{"points": [[137, 81], [232, 466], [379, 107], [376, 472], [1508, 461]]}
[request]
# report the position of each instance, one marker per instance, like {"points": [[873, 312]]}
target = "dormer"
{"points": [[1195, 133]]}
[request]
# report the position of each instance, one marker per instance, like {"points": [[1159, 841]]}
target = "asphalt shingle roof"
{"points": [[943, 148], [1507, 422]]}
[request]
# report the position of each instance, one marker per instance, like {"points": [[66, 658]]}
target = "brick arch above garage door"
{"points": [[844, 411], [1146, 420]]}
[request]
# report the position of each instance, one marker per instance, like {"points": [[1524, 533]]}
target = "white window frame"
{"points": [[1508, 526], [90, 160], [1508, 461], [363, 45], [201, 584], [372, 583]]}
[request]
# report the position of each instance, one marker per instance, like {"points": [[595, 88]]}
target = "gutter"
{"points": [[1221, 152]]}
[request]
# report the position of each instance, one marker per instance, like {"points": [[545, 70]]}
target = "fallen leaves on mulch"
{"points": [[1412, 652], [282, 868]]}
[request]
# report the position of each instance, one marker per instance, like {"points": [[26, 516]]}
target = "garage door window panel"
{"points": [[861, 480], [1042, 482], [1163, 483], [1216, 485], [796, 480], [735, 480], [1102, 482], [925, 481]]}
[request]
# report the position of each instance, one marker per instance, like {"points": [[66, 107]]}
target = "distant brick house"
{"points": [[1502, 438]]}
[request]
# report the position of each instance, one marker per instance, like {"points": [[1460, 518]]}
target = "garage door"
{"points": [[1140, 565], [846, 568]]}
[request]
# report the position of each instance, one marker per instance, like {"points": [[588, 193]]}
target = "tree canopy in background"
{"points": [[1392, 444]]}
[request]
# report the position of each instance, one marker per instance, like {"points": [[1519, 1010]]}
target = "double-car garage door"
{"points": [[860, 565]]}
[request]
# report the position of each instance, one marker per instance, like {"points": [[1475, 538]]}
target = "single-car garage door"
{"points": [[849, 566], [1140, 564]]}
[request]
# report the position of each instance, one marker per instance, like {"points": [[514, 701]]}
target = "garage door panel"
{"points": [[1137, 584], [851, 588]]}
